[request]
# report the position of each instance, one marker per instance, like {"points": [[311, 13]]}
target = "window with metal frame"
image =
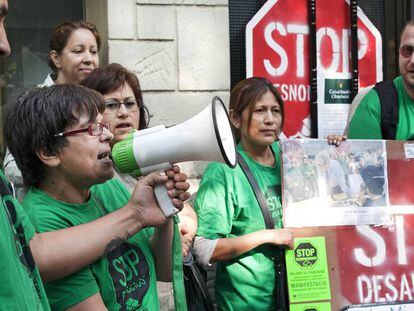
{"points": [[28, 25]]}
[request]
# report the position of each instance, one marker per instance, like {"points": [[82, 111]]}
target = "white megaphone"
{"points": [[205, 137]]}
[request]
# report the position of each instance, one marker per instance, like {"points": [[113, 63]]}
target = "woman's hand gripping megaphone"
{"points": [[142, 198]]}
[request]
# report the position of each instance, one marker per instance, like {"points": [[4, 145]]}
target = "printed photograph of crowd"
{"points": [[353, 174]]}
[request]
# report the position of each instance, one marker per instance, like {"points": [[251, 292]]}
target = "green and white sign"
{"points": [[337, 91], [307, 271]]}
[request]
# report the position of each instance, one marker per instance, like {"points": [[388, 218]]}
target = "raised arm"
{"points": [[228, 248], [63, 252]]}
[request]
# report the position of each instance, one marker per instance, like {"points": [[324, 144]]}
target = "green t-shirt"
{"points": [[20, 284], [366, 122], [125, 277], [227, 207]]}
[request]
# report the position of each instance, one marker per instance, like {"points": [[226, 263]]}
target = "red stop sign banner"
{"points": [[376, 262], [368, 264], [277, 48]]}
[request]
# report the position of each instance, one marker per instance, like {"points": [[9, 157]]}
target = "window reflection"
{"points": [[29, 25]]}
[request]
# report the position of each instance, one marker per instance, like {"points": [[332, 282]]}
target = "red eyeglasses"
{"points": [[93, 129], [406, 51]]}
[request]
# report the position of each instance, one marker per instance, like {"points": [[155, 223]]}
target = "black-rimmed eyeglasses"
{"points": [[113, 106], [93, 129]]}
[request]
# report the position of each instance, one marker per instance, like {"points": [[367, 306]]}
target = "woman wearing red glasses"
{"points": [[367, 121], [63, 148]]}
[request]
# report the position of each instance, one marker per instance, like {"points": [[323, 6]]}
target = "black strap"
{"points": [[388, 97], [313, 75], [354, 46], [5, 188], [280, 266], [202, 285], [195, 282], [257, 192], [27, 258]]}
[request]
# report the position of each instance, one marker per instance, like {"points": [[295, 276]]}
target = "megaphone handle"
{"points": [[164, 201]]}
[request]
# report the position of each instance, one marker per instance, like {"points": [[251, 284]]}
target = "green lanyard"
{"points": [[177, 269]]}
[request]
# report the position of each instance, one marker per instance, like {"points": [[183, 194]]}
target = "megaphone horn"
{"points": [[205, 137]]}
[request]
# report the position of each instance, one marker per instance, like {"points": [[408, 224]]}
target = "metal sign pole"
{"points": [[354, 47], [313, 68]]}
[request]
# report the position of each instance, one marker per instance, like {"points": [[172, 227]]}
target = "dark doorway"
{"points": [[28, 25]]}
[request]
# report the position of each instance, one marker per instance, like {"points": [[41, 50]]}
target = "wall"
{"points": [[178, 49]]}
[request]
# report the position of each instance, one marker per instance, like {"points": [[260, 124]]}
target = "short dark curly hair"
{"points": [[110, 78], [35, 115]]}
